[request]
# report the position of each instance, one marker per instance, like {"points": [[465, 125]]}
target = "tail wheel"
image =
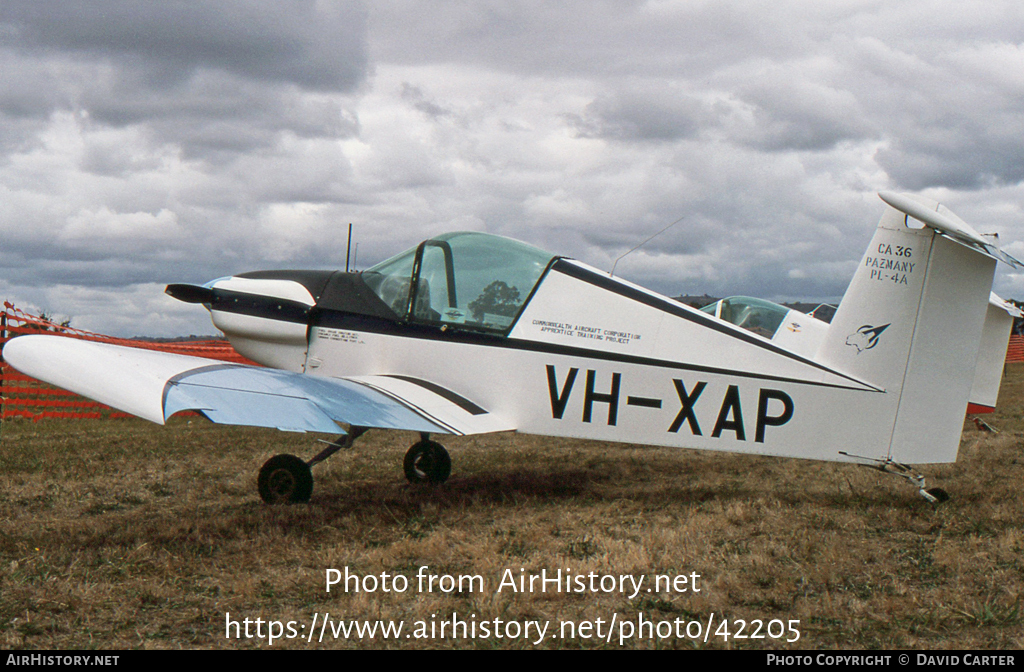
{"points": [[427, 462], [285, 479]]}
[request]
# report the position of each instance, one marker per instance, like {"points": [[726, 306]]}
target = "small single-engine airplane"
{"points": [[471, 333]]}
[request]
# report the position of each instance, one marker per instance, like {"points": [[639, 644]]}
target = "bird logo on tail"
{"points": [[866, 337]]}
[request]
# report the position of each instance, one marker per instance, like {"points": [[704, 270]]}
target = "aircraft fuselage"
{"points": [[588, 356]]}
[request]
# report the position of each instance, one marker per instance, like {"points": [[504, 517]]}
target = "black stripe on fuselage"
{"points": [[460, 401], [260, 305], [426, 415], [350, 322]]}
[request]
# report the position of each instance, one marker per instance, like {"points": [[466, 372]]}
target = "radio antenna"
{"points": [[348, 250], [612, 273]]}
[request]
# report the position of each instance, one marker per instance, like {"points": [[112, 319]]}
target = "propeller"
{"points": [[190, 293]]}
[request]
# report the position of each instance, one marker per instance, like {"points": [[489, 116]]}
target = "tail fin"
{"points": [[911, 323]]}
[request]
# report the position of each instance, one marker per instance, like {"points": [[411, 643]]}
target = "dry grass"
{"points": [[121, 534]]}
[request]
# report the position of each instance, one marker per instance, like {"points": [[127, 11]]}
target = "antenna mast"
{"points": [[611, 274], [348, 250]]}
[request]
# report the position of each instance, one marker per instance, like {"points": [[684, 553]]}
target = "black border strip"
{"points": [[458, 400], [445, 427], [260, 305], [348, 321]]}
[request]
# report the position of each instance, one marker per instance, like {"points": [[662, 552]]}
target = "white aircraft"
{"points": [[471, 333]]}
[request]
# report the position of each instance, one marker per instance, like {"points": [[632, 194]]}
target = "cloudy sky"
{"points": [[153, 141]]}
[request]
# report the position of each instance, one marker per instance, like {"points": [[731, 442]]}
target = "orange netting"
{"points": [[1015, 351], [25, 397]]}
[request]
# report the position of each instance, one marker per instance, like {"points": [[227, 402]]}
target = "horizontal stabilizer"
{"points": [[956, 230]]}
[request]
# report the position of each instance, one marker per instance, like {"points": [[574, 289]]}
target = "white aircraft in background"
{"points": [[471, 333]]}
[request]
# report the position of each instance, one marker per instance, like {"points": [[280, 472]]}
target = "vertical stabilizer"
{"points": [[911, 323]]}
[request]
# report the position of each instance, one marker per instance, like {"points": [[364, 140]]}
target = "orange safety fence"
{"points": [[1015, 350], [25, 397]]}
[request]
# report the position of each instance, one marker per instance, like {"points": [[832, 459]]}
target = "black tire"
{"points": [[285, 479], [427, 462]]}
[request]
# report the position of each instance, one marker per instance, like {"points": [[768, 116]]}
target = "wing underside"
{"points": [[156, 385]]}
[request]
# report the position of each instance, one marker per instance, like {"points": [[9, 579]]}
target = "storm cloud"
{"points": [[151, 142]]}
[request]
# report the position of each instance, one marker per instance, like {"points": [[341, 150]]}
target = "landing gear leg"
{"points": [[287, 479], [427, 462], [344, 441], [933, 495]]}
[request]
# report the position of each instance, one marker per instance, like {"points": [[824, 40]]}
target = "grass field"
{"points": [[122, 534]]}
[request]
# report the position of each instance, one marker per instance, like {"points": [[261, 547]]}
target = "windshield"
{"points": [[472, 279]]}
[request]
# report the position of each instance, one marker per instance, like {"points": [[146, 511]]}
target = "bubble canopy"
{"points": [[756, 315], [468, 279]]}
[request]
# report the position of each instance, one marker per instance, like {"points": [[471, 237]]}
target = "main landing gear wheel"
{"points": [[285, 479], [427, 462]]}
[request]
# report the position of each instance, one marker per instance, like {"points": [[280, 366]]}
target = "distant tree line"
{"points": [[52, 319]]}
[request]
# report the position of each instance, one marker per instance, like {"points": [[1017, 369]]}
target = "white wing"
{"points": [[156, 385]]}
